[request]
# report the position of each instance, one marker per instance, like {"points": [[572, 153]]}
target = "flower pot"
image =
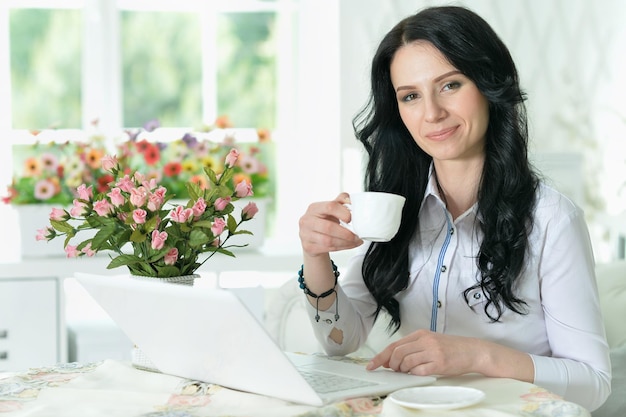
{"points": [[138, 359], [181, 280]]}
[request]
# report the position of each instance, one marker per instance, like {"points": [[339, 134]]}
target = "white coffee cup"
{"points": [[376, 216]]}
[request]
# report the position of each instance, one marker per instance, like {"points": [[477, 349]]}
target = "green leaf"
{"points": [[242, 232], [146, 268], [223, 191], [231, 223], [190, 268], [212, 176], [137, 236], [198, 238], [151, 224], [168, 271], [203, 223], [225, 252], [227, 175], [101, 238], [123, 237], [158, 255], [62, 226], [194, 191], [122, 260], [210, 193], [82, 245]]}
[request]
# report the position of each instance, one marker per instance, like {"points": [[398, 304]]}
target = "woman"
{"points": [[492, 271]]}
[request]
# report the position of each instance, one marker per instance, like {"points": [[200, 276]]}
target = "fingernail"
{"points": [[370, 366]]}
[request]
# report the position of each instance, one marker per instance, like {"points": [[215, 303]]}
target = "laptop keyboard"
{"points": [[323, 382]]}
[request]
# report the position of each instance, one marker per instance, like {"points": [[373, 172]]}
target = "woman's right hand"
{"points": [[321, 231]]}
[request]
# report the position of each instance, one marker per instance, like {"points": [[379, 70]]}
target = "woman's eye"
{"points": [[452, 85], [409, 97]]}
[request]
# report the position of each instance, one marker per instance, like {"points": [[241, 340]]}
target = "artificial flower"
{"points": [[133, 221]]}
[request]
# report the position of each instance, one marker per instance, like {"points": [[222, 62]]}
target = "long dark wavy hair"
{"points": [[506, 194]]}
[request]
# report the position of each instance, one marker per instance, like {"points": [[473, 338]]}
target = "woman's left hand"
{"points": [[428, 353]]}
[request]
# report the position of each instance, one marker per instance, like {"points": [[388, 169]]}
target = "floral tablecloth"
{"points": [[112, 388]]}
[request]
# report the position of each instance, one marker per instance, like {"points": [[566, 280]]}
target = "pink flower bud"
{"points": [[84, 192], [88, 251], [46, 234], [218, 226], [231, 158], [181, 214], [160, 192], [150, 184], [158, 239], [222, 203], [138, 196], [117, 199], [199, 207], [71, 251], [249, 211], [58, 214], [109, 163], [171, 257], [139, 177], [154, 202], [125, 184], [243, 189], [139, 216], [78, 208], [103, 207]]}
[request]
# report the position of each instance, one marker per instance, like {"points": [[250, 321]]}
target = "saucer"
{"points": [[444, 397]]}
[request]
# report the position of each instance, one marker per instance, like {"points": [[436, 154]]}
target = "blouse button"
{"points": [[328, 321], [451, 230], [477, 296], [438, 304], [443, 268]]}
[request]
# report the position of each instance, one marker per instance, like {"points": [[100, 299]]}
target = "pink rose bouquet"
{"points": [[150, 237]]}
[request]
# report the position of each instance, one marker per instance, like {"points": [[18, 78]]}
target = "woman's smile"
{"points": [[442, 134]]}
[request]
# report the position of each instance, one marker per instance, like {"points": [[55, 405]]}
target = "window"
{"points": [[161, 68], [127, 62], [246, 56], [45, 58]]}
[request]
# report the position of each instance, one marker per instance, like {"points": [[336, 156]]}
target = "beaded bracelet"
{"points": [[325, 294]]}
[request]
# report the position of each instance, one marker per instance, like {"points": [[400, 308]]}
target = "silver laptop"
{"points": [[209, 335]]}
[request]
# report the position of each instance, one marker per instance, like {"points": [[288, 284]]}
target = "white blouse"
{"points": [[563, 329]]}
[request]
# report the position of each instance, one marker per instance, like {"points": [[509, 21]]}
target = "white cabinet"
{"points": [[32, 330]]}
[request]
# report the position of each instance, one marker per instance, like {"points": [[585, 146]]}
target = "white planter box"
{"points": [[32, 217]]}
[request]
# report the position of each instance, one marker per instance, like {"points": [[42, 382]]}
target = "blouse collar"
{"points": [[432, 192]]}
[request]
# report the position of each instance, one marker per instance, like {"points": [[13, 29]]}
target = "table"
{"points": [[114, 388]]}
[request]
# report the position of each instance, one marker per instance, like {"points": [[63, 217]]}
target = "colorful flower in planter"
{"points": [[48, 172], [176, 161]]}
